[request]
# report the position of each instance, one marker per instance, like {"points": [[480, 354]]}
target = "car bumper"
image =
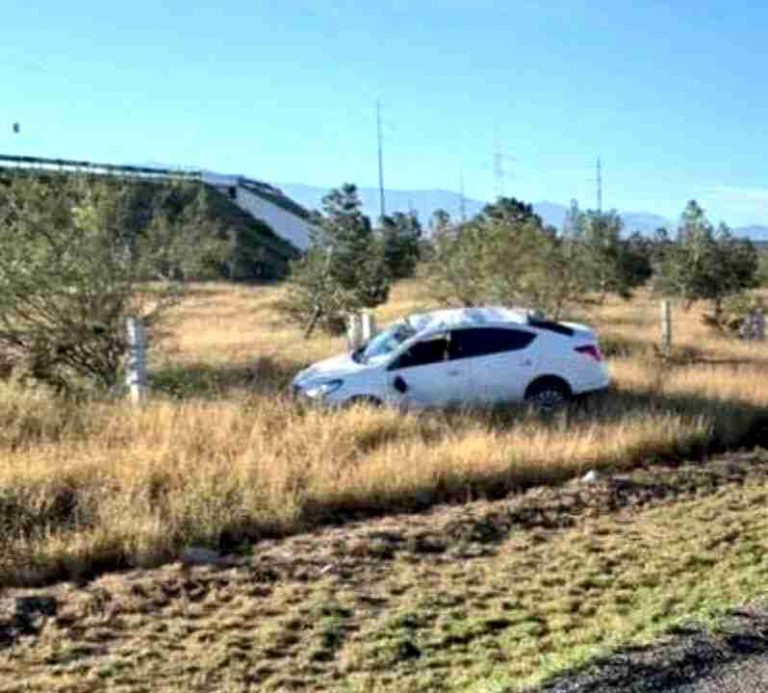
{"points": [[593, 388]]}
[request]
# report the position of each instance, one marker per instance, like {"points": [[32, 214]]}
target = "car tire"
{"points": [[548, 394]]}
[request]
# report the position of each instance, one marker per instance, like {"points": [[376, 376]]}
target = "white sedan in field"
{"points": [[467, 356]]}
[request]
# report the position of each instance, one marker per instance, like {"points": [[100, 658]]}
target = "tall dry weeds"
{"points": [[219, 457]]}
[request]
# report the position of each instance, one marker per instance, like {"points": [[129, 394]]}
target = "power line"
{"points": [[382, 205]]}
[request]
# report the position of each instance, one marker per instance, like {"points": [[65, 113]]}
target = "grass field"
{"points": [[218, 457], [485, 596]]}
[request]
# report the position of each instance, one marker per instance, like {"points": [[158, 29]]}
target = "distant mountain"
{"points": [[755, 232], [424, 202], [645, 222]]}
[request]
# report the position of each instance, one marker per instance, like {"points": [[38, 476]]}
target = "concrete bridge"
{"points": [[262, 201]]}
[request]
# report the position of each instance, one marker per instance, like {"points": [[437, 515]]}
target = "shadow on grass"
{"points": [[735, 423], [611, 406], [732, 423]]}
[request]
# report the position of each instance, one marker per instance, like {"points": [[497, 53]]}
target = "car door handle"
{"points": [[454, 372]]}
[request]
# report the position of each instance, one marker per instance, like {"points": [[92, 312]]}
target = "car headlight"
{"points": [[323, 389]]}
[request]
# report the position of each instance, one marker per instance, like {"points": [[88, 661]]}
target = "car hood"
{"points": [[341, 366]]}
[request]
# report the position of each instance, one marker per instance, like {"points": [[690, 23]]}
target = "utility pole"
{"points": [[599, 181], [462, 198], [382, 205]]}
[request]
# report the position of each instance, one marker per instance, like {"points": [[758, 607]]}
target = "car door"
{"points": [[424, 375], [501, 360]]}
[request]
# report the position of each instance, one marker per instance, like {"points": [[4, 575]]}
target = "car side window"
{"points": [[483, 341], [423, 353]]}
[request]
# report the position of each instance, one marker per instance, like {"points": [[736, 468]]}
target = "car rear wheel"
{"points": [[548, 395]]}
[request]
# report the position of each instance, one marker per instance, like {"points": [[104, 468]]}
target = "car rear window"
{"points": [[552, 326], [482, 341]]}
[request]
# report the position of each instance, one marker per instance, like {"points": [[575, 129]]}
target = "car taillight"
{"points": [[591, 350]]}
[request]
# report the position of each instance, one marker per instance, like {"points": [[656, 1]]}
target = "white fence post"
{"points": [[369, 326], [759, 325], [354, 331], [136, 372], [753, 326], [666, 327]]}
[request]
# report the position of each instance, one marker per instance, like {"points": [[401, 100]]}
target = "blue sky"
{"points": [[671, 95]]}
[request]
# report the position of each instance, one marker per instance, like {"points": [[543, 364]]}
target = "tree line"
{"points": [[508, 255], [78, 254]]}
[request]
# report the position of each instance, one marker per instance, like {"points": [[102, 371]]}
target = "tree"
{"points": [[636, 266], [70, 265], [609, 264], [176, 236], [738, 262], [439, 221], [704, 263], [509, 210], [762, 267], [63, 280], [505, 255], [687, 266], [400, 236], [342, 271]]}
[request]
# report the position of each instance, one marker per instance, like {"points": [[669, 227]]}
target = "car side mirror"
{"points": [[400, 385]]}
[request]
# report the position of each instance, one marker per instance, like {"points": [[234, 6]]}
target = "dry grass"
{"points": [[478, 597], [219, 457]]}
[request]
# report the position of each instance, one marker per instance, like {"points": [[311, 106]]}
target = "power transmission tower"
{"points": [[599, 182], [382, 205], [500, 158]]}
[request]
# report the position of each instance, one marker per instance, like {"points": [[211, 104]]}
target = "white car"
{"points": [[467, 356]]}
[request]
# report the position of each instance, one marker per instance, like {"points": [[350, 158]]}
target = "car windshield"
{"points": [[383, 344]]}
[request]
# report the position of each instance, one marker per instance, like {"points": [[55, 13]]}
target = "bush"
{"points": [[704, 263], [344, 269], [72, 250], [503, 256]]}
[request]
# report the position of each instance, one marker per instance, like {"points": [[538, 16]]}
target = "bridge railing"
{"points": [[36, 163]]}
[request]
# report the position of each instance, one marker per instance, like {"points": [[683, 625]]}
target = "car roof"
{"points": [[452, 318]]}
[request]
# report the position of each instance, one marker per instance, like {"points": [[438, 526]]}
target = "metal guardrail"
{"points": [[36, 163]]}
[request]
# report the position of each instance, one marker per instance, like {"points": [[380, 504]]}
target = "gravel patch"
{"points": [[735, 660]]}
